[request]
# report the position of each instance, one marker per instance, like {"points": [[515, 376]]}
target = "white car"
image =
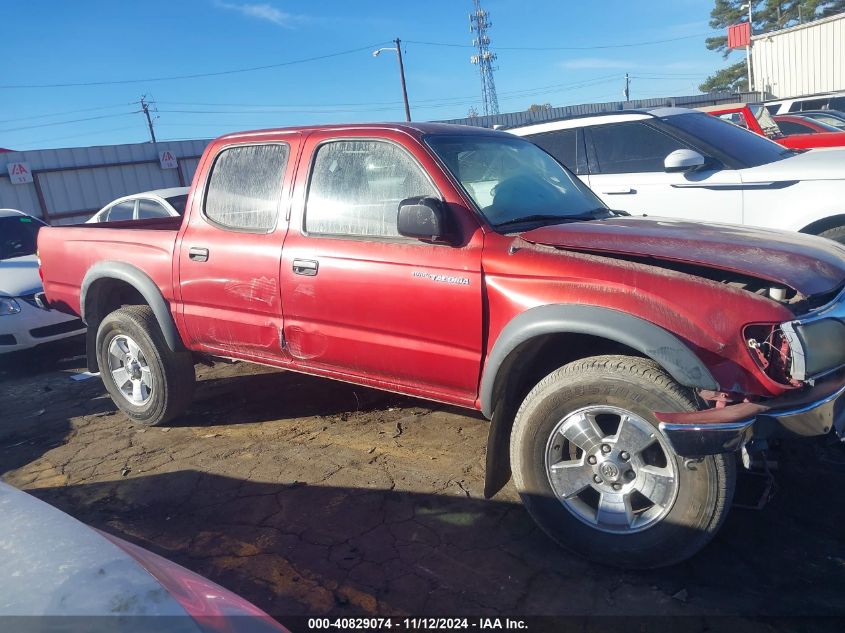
{"points": [[826, 101], [161, 203], [680, 163], [23, 324]]}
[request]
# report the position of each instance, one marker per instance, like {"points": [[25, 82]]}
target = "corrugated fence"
{"points": [[65, 186], [512, 119]]}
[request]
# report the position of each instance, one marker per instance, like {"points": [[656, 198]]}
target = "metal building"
{"points": [[801, 60], [66, 186]]}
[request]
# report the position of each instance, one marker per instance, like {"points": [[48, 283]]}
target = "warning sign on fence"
{"points": [[167, 159], [19, 173]]}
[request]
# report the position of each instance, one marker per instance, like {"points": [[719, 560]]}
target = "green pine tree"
{"points": [[768, 15]]}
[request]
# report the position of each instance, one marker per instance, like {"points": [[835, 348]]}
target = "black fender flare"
{"points": [[141, 282], [670, 352]]}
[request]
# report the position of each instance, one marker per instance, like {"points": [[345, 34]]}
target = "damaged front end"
{"points": [[806, 354]]}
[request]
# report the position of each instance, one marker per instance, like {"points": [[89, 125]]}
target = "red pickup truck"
{"points": [[756, 117], [624, 362]]}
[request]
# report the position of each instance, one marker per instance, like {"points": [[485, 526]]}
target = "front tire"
{"points": [[146, 380], [595, 472]]}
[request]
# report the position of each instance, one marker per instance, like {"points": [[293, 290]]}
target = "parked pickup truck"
{"points": [[624, 362], [756, 117]]}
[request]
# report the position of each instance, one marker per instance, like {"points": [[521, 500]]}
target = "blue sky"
{"points": [[59, 42]]}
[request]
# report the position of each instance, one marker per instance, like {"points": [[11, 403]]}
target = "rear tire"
{"points": [[837, 234], [146, 380], [620, 497]]}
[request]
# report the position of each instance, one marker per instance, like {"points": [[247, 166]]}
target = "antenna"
{"points": [[479, 22]]}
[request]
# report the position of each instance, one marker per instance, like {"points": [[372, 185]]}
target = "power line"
{"points": [[194, 75], [568, 48], [90, 118], [51, 114], [365, 106]]}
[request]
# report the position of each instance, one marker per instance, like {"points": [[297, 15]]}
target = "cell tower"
{"points": [[479, 22]]}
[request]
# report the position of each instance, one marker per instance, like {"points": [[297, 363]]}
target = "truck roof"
{"points": [[414, 129]]}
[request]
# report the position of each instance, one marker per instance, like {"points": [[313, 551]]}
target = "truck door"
{"points": [[231, 248], [360, 300]]}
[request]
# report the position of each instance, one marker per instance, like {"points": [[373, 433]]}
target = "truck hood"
{"points": [[19, 276], [808, 264], [815, 164]]}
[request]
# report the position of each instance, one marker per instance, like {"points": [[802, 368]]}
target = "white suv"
{"points": [[681, 163]]}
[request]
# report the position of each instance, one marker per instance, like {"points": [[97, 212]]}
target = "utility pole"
{"points": [[479, 22], [145, 107], [627, 87], [398, 51], [748, 46], [402, 78]]}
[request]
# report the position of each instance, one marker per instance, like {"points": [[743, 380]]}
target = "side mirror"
{"points": [[422, 218], [683, 160]]}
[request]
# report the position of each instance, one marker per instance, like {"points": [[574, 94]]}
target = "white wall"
{"points": [[801, 60]]}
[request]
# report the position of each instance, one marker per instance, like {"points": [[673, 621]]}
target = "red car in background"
{"points": [[755, 117], [791, 124]]}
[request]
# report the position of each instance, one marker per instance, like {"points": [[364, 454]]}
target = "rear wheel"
{"points": [[148, 382], [596, 473]]}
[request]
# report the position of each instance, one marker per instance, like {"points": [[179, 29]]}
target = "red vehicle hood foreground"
{"points": [[808, 264]]}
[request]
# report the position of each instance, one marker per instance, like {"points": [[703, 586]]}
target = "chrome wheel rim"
{"points": [[611, 469], [129, 370]]}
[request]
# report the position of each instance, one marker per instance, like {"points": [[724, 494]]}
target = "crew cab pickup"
{"points": [[624, 362]]}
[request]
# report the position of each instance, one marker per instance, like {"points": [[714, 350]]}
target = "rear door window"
{"points": [[790, 127], [630, 147], [809, 104], [122, 211], [563, 145], [151, 209], [245, 187]]}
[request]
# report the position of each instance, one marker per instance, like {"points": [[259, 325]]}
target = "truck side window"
{"points": [[245, 187], [356, 188]]}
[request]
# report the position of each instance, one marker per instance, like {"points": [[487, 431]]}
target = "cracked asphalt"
{"points": [[312, 497]]}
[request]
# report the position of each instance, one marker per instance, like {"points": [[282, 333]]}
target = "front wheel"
{"points": [[148, 382], [596, 473]]}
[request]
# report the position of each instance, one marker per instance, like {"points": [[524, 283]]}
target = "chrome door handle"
{"points": [[616, 191], [198, 254], [307, 267]]}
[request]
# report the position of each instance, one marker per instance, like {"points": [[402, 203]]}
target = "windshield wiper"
{"points": [[537, 217], [599, 213]]}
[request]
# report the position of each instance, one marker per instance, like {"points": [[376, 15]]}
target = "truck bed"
{"points": [[146, 244]]}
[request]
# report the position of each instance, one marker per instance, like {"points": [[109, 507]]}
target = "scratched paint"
{"points": [[259, 290]]}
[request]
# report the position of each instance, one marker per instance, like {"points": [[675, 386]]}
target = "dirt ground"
{"points": [[307, 496]]}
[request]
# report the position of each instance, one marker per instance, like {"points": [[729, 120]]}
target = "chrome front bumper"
{"points": [[815, 411]]}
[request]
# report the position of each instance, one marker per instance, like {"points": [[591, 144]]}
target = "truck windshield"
{"points": [[739, 146], [17, 236], [510, 178]]}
